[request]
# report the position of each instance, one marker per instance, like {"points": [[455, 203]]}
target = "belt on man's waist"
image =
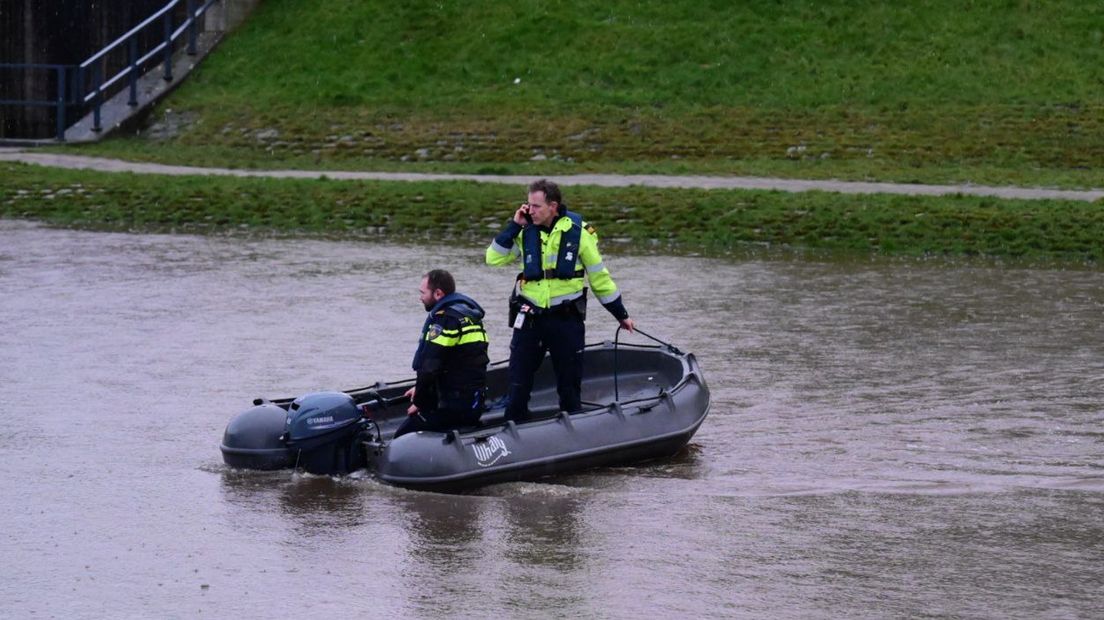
{"points": [[567, 308]]}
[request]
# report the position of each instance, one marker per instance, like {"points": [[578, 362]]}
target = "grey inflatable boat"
{"points": [[641, 402]]}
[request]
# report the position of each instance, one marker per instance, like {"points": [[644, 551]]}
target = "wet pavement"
{"points": [[83, 162]]}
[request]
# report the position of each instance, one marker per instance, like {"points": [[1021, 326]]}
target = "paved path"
{"points": [[603, 180]]}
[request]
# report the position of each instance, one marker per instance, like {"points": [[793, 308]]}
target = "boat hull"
{"points": [[640, 403], [644, 425]]}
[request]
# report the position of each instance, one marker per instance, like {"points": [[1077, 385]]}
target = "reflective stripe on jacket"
{"points": [[548, 292]]}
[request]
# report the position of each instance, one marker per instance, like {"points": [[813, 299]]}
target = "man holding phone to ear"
{"points": [[559, 254]]}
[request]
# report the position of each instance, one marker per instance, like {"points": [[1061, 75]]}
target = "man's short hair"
{"points": [[440, 279], [550, 189]]}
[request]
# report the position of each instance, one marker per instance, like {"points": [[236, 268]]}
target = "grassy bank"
{"points": [[1006, 92], [642, 219]]}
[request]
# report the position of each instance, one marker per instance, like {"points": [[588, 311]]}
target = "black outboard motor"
{"points": [[254, 439], [319, 432], [324, 431]]}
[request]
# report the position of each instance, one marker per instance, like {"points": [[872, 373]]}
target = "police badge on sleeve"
{"points": [[434, 331]]}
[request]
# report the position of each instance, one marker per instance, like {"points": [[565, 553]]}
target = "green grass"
{"points": [[441, 55], [1006, 92], [640, 219]]}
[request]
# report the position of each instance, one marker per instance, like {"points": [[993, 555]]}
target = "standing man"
{"points": [[547, 309], [451, 360]]}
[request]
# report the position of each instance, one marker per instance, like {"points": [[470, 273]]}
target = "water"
{"points": [[886, 440]]}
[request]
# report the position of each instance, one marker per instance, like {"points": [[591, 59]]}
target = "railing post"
{"points": [[168, 46], [97, 79], [191, 27], [132, 60], [61, 82]]}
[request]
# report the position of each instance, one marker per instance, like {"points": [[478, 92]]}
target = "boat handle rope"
{"points": [[616, 345]]}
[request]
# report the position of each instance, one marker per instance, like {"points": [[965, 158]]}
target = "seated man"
{"points": [[451, 360]]}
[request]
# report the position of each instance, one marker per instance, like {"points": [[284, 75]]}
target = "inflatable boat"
{"points": [[641, 402]]}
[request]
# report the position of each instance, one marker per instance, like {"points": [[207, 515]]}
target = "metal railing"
{"points": [[87, 84], [60, 102]]}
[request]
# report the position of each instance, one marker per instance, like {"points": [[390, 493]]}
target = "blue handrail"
{"points": [[59, 102], [90, 85]]}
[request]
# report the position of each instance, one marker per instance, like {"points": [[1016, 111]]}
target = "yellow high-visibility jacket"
{"points": [[550, 291]]}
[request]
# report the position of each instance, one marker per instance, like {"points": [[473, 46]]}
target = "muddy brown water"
{"points": [[886, 440]]}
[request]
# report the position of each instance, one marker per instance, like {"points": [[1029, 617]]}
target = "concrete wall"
{"points": [[55, 32], [68, 32]]}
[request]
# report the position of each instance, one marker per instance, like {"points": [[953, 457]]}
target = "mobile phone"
{"points": [[525, 214]]}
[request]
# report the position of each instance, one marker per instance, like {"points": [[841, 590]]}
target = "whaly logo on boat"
{"points": [[489, 452]]}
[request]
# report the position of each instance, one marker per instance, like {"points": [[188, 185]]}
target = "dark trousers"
{"points": [[440, 420], [562, 335]]}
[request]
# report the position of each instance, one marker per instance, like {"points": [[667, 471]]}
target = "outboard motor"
{"points": [[254, 439], [324, 431], [319, 432]]}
